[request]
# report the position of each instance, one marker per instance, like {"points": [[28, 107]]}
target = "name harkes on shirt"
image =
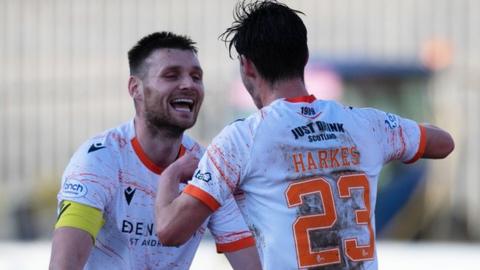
{"points": [[325, 159]]}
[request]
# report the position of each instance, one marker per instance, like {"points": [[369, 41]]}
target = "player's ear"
{"points": [[135, 86], [248, 67]]}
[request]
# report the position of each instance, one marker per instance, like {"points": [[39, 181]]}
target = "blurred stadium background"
{"points": [[64, 72]]}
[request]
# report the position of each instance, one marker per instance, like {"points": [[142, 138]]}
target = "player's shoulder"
{"points": [[333, 104], [239, 132], [377, 118], [246, 125], [107, 141], [97, 158], [370, 113]]}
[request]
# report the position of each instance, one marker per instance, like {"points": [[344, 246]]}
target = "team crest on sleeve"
{"points": [[391, 120], [73, 189], [206, 177]]}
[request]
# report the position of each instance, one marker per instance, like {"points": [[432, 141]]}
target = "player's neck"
{"points": [[282, 89], [160, 148]]}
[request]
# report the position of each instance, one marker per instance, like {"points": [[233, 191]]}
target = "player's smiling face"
{"points": [[173, 89]]}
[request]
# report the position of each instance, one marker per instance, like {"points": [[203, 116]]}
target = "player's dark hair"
{"points": [[152, 42], [272, 36]]}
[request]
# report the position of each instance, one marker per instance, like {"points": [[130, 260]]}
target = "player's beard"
{"points": [[158, 121]]}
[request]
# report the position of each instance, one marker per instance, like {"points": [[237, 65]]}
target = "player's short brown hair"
{"points": [[158, 40]]}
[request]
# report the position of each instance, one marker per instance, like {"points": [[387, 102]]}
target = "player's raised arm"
{"points": [[438, 142], [177, 217]]}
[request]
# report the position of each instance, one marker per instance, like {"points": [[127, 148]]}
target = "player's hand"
{"points": [[183, 168]]}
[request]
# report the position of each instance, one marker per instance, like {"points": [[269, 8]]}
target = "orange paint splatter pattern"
{"points": [[229, 173]]}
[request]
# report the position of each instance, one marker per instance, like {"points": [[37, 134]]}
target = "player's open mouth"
{"points": [[182, 104]]}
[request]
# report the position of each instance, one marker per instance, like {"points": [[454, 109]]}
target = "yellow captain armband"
{"points": [[80, 216]]}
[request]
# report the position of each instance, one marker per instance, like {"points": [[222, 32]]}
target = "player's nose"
{"points": [[187, 82]]}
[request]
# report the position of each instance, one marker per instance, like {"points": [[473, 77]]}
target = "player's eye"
{"points": [[197, 77], [170, 76]]}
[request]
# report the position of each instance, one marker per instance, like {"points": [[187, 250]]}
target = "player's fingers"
{"points": [[186, 165]]}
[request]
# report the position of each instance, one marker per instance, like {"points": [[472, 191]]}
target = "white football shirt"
{"points": [[112, 173], [305, 173]]}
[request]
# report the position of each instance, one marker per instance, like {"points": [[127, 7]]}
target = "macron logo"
{"points": [[129, 192], [95, 147]]}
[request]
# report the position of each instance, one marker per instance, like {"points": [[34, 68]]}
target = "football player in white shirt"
{"points": [[305, 170], [106, 202]]}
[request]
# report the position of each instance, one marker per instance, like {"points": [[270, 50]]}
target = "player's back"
{"points": [[310, 185], [305, 174]]}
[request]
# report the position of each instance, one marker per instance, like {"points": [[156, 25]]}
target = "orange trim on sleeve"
{"points": [[237, 245], [421, 145], [203, 196]]}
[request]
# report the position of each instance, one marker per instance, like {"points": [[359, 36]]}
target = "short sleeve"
{"points": [[229, 229], [221, 169], [399, 138], [215, 181], [90, 175]]}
